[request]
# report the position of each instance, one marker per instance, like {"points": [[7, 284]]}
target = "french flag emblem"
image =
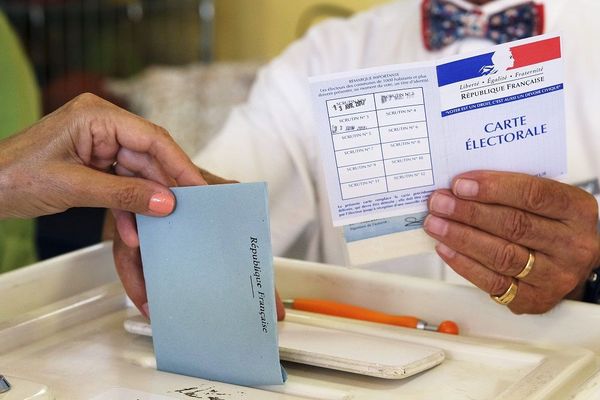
{"points": [[505, 59]]}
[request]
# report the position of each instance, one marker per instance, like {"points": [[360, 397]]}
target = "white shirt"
{"points": [[272, 137]]}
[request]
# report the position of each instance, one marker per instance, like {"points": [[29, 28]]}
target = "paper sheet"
{"points": [[209, 276], [391, 135]]}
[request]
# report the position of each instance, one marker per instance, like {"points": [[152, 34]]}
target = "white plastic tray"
{"points": [[339, 349], [73, 342]]}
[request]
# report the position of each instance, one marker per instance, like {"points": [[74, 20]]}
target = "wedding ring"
{"points": [[507, 296], [528, 267]]}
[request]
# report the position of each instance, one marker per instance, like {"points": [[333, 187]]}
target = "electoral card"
{"points": [[389, 136]]}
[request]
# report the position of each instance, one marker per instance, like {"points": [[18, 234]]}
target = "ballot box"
{"points": [[62, 336]]}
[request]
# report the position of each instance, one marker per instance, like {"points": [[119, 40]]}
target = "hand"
{"points": [[489, 222], [70, 158], [129, 263], [66, 159]]}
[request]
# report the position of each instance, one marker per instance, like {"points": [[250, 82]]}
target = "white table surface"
{"points": [[61, 328]]}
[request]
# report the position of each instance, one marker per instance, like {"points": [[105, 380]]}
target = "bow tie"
{"points": [[445, 23]]}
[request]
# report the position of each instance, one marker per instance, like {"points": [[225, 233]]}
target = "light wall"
{"points": [[261, 29]]}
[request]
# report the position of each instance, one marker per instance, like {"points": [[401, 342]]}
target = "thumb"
{"points": [[87, 187]]}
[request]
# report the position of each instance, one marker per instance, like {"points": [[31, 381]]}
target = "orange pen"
{"points": [[365, 314]]}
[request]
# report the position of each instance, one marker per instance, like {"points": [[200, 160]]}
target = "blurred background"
{"points": [[180, 63]]}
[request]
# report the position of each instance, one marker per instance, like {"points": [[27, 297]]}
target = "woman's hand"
{"points": [[91, 153]]}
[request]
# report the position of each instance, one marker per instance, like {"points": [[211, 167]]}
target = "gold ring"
{"points": [[507, 296], [528, 267]]}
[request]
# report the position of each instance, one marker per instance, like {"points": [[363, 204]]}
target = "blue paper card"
{"points": [[209, 275]]}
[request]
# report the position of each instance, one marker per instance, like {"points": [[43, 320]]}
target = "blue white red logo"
{"points": [[504, 59]]}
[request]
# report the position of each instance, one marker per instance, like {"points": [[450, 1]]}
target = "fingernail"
{"points": [[442, 204], [145, 310], [444, 250], [161, 203], [466, 187], [435, 225]]}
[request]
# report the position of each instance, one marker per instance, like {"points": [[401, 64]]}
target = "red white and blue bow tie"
{"points": [[444, 23]]}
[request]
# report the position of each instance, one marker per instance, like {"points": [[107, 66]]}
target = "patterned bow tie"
{"points": [[445, 23]]}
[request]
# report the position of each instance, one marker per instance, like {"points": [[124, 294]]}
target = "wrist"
{"points": [[9, 180]]}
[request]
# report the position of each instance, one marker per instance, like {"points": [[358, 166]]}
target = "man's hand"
{"points": [[489, 222]]}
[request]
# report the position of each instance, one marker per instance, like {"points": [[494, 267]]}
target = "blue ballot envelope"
{"points": [[209, 276]]}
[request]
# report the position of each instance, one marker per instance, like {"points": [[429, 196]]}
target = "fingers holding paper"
{"points": [[127, 256], [498, 228], [91, 153], [126, 250]]}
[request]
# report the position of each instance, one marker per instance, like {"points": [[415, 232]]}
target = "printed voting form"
{"points": [[209, 275], [389, 136]]}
